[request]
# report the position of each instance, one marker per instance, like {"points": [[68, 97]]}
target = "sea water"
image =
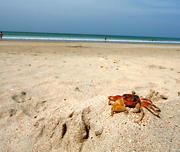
{"points": [[30, 36]]}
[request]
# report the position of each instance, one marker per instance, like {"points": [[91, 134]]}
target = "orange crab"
{"points": [[131, 100]]}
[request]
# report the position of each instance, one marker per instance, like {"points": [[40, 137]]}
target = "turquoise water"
{"points": [[27, 36]]}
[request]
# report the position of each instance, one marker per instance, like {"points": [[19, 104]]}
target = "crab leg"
{"points": [[148, 104], [149, 101], [109, 103], [140, 117], [137, 108]]}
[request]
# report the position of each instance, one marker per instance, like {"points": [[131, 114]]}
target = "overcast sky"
{"points": [[112, 17]]}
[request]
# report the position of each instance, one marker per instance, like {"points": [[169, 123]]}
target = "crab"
{"points": [[130, 100]]}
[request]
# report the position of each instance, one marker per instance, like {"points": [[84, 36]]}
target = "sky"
{"points": [[160, 18]]}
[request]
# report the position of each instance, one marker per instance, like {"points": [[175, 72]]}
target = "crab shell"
{"points": [[128, 100]]}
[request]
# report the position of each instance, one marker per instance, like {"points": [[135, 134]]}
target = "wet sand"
{"points": [[54, 96]]}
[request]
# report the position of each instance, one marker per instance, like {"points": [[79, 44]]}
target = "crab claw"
{"points": [[117, 107], [114, 98], [148, 104]]}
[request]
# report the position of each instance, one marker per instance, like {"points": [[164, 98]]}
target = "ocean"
{"points": [[30, 36]]}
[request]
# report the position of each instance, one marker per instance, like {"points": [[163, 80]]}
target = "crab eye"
{"points": [[136, 98], [125, 96]]}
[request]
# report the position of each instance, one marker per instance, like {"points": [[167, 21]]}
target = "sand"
{"points": [[54, 96]]}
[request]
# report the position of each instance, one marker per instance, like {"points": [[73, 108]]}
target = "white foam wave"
{"points": [[37, 38]]}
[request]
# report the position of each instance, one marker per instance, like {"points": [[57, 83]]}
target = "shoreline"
{"points": [[96, 43]]}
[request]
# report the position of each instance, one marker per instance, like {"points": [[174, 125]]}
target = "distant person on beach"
{"points": [[1, 35], [105, 39]]}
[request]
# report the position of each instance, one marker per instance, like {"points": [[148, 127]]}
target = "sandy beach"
{"points": [[54, 96]]}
